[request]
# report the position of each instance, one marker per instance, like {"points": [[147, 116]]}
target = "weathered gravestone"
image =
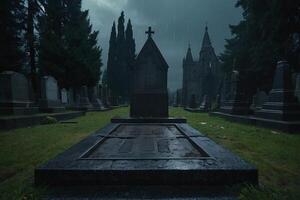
{"points": [[15, 94], [71, 97], [149, 85], [297, 87], [218, 102], [235, 102], [82, 99], [193, 103], [177, 98], [100, 92], [282, 105], [64, 96], [105, 97], [147, 151], [50, 101], [258, 100], [94, 98], [206, 104]]}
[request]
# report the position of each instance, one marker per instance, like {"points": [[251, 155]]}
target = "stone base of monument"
{"points": [[146, 154], [21, 121], [235, 108], [286, 126], [18, 109], [279, 111], [84, 104], [49, 106], [148, 120], [195, 110]]}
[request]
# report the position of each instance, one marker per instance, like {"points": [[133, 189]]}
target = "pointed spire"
{"points": [[206, 39], [189, 55], [113, 34]]}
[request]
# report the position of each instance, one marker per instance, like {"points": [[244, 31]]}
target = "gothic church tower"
{"points": [[201, 77]]}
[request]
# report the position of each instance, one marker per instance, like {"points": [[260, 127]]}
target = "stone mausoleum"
{"points": [[149, 96]]}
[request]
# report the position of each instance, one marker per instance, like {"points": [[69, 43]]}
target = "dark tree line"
{"points": [[12, 26], [269, 32], [120, 58], [49, 37]]}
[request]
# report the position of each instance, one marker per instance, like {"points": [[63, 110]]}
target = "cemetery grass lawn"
{"points": [[276, 154]]}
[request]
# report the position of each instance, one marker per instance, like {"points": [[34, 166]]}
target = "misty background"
{"points": [[176, 24]]}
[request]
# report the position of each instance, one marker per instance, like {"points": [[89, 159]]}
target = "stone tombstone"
{"points": [[50, 101], [14, 94], [282, 105], [64, 96], [94, 98], [82, 99], [193, 102], [178, 97], [71, 96], [105, 97], [235, 101], [259, 99], [206, 104], [100, 95], [218, 101], [149, 85], [297, 87], [49, 88]]}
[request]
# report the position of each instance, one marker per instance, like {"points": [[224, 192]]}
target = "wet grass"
{"points": [[276, 154]]}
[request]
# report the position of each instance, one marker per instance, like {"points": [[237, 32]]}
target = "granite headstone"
{"points": [[259, 99], [206, 104], [14, 94], [71, 97], [82, 99], [64, 96], [297, 87], [50, 101], [282, 105], [235, 102], [94, 98], [193, 103]]}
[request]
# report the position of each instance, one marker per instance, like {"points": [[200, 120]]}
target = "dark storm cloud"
{"points": [[175, 22]]}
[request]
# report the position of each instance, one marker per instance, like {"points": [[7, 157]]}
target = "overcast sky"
{"points": [[175, 22]]}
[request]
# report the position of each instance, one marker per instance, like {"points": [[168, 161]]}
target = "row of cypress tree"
{"points": [[49, 37], [121, 57]]}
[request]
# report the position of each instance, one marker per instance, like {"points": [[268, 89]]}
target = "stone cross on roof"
{"points": [[149, 32]]}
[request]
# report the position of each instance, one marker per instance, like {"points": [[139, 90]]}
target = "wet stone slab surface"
{"points": [[145, 142], [146, 154]]}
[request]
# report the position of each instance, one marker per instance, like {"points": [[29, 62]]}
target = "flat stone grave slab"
{"points": [[146, 154]]}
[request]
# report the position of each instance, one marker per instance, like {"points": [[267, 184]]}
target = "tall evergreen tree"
{"points": [[11, 42], [83, 61], [263, 37], [122, 80], [52, 48], [130, 43], [121, 57], [111, 62], [34, 10], [121, 29], [69, 49]]}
